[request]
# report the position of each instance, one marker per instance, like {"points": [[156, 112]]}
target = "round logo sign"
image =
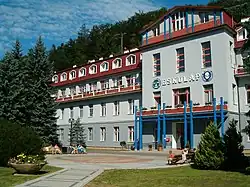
{"points": [[207, 76], [156, 83]]}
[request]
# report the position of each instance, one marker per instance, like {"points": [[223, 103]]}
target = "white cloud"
{"points": [[56, 20]]}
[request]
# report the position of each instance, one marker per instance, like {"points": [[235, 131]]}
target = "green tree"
{"points": [[209, 154], [234, 157], [77, 132], [40, 103]]}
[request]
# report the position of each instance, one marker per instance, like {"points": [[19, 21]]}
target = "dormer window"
{"points": [[156, 30], [64, 76], [178, 21], [72, 75], [130, 60], [82, 72], [55, 79], [104, 67], [204, 17], [117, 63], [242, 34], [92, 69]]}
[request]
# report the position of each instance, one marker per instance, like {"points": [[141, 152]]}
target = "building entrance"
{"points": [[180, 135]]}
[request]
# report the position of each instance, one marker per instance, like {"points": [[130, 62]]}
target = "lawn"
{"points": [[7, 179], [170, 177]]}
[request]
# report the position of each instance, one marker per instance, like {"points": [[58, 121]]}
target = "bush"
{"points": [[15, 140], [123, 144], [209, 154], [234, 157], [248, 171]]}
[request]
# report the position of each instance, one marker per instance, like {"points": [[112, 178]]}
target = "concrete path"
{"points": [[81, 169]]}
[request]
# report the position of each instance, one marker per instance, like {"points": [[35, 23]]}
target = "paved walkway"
{"points": [[81, 169]]}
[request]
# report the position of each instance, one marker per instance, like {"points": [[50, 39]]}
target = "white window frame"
{"points": [[131, 133], [91, 70], [178, 20], [61, 113], [115, 64], [90, 134], [234, 92], [131, 108], [104, 66], [82, 72], [210, 93], [247, 87], [71, 114], [103, 109], [91, 111], [103, 133], [61, 136], [116, 108], [55, 79], [116, 134], [128, 62], [180, 69], [72, 75], [63, 76]]}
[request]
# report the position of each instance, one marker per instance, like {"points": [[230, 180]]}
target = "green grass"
{"points": [[8, 179], [170, 177]]}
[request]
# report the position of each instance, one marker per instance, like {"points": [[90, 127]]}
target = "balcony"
{"points": [[240, 71], [180, 110], [100, 93]]}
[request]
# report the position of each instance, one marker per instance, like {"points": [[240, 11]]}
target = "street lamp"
{"points": [[71, 121]]}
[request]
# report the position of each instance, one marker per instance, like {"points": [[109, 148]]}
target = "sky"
{"points": [[58, 20]]}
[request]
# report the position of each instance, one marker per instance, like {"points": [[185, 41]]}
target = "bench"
{"points": [[189, 156]]}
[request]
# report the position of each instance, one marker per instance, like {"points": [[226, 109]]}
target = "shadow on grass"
{"points": [[42, 172]]}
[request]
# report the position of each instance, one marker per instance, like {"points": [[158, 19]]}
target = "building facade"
{"points": [[186, 73]]}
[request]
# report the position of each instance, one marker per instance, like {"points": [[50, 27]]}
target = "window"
{"points": [[81, 111], [105, 85], [181, 95], [116, 134], [156, 30], [71, 112], [130, 134], [72, 75], [130, 60], [90, 134], [92, 87], [204, 17], [178, 21], [248, 93], [117, 82], [130, 80], [206, 54], [62, 113], [61, 137], [130, 106], [104, 67], [208, 93], [55, 79], [116, 108], [157, 64], [234, 93], [83, 89], [242, 34], [63, 76], [92, 69], [102, 134], [90, 110], [180, 60], [157, 98], [103, 109], [72, 91], [117, 63], [82, 72], [231, 48]]}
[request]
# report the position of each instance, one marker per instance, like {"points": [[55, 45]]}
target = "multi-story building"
{"points": [[184, 75]]}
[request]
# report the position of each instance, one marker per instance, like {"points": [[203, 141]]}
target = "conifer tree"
{"points": [[41, 106], [77, 133], [209, 154], [234, 157]]}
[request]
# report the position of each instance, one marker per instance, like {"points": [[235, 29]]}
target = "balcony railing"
{"points": [[240, 70], [100, 93]]}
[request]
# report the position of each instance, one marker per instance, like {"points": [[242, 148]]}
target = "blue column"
{"points": [[146, 37], [135, 128], [158, 124], [221, 18], [164, 126], [186, 19], [185, 123], [191, 126], [214, 18], [214, 110], [165, 27], [140, 129], [169, 25], [192, 20], [222, 116]]}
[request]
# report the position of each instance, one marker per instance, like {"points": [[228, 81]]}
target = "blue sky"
{"points": [[58, 20]]}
